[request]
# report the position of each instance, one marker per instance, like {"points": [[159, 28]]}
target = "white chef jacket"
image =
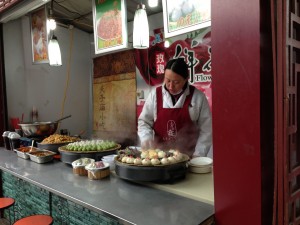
{"points": [[199, 112]]}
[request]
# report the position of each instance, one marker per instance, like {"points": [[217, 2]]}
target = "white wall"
{"points": [[43, 86]]}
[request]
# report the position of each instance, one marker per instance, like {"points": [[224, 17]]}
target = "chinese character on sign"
{"points": [[160, 63], [102, 107], [192, 62]]}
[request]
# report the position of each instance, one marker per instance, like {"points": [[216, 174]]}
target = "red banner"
{"points": [[196, 51]]}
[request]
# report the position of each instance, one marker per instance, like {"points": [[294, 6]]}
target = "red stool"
{"points": [[35, 220], [6, 203]]}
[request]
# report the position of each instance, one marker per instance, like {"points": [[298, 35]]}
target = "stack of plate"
{"points": [[200, 165], [110, 160]]}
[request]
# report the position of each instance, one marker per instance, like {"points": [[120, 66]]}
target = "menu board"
{"points": [[39, 36], [110, 25], [184, 16]]}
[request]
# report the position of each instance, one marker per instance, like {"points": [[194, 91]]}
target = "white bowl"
{"points": [[82, 162], [201, 162], [109, 157], [87, 167], [195, 169]]}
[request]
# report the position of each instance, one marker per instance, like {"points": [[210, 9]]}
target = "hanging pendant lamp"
{"points": [[153, 3], [54, 52], [140, 28]]}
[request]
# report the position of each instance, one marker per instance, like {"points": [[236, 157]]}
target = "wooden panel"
{"points": [[291, 163], [279, 40], [112, 64], [114, 98], [3, 103], [236, 112]]}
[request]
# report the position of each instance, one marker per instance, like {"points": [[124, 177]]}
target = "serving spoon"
{"points": [[31, 146]]}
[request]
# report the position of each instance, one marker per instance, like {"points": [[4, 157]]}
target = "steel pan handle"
{"points": [[62, 118]]}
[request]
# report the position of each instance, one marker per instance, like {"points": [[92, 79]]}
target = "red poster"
{"points": [[195, 49]]}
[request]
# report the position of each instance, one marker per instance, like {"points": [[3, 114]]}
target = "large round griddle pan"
{"points": [[168, 173]]}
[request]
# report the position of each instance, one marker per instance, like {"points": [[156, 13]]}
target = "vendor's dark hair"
{"points": [[178, 66]]}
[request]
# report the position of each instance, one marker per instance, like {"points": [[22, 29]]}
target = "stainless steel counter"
{"points": [[130, 202]]}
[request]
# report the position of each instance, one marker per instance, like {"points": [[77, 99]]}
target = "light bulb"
{"points": [[167, 43], [51, 24], [153, 3]]}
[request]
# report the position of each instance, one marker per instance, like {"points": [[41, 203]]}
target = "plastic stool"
{"points": [[6, 203], [35, 220]]}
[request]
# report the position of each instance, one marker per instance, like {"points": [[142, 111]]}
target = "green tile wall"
{"points": [[60, 210], [31, 199]]}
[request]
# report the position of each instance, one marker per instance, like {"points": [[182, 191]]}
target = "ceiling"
{"points": [[79, 12]]}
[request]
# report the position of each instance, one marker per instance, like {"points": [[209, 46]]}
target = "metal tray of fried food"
{"points": [[22, 152], [41, 156]]}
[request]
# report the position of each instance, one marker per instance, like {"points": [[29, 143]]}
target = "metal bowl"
{"points": [[52, 147], [39, 128]]}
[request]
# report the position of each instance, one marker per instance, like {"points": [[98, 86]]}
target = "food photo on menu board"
{"points": [[110, 27], [39, 36], [182, 16]]}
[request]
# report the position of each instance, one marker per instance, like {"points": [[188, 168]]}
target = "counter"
{"points": [[129, 202], [195, 186]]}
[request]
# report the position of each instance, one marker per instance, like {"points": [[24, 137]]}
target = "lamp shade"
{"points": [[140, 28], [54, 52]]}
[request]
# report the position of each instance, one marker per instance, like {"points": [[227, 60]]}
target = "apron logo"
{"points": [[171, 129]]}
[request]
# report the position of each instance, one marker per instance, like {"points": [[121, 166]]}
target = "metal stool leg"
{"points": [[10, 223], [9, 216], [14, 216]]}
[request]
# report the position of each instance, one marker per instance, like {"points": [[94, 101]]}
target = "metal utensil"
{"points": [[62, 118], [31, 146], [40, 128]]}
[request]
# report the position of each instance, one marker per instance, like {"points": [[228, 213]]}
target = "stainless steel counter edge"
{"points": [[128, 202]]}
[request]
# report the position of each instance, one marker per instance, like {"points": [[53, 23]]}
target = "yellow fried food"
{"points": [[152, 153], [58, 138]]}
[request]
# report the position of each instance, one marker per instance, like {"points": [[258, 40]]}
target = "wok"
{"points": [[40, 128]]}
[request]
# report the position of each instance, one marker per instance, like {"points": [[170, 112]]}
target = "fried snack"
{"points": [[58, 138], [26, 149]]}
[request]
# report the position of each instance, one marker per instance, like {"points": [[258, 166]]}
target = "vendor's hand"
{"points": [[148, 144]]}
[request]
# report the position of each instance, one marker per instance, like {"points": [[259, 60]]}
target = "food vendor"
{"points": [[176, 115]]}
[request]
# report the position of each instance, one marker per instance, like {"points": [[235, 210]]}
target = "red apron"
{"points": [[173, 127]]}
